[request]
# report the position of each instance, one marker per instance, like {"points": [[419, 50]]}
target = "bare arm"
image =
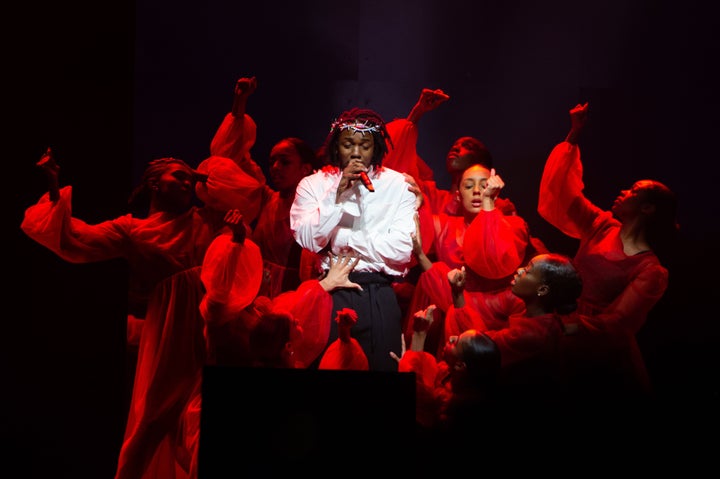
{"points": [[234, 220], [244, 87], [456, 277], [492, 190], [422, 259], [421, 323], [428, 101], [578, 118], [52, 170]]}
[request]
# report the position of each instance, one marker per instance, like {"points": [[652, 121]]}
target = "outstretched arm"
{"points": [[578, 118], [403, 156], [237, 133], [428, 101], [561, 199], [244, 87]]}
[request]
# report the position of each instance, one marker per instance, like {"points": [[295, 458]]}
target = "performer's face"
{"points": [[355, 145]]}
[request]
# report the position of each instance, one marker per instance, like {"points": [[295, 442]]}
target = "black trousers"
{"points": [[379, 326]]}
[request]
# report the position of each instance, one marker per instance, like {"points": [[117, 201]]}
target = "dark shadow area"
{"points": [[279, 421]]}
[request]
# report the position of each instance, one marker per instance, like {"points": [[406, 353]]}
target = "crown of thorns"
{"points": [[355, 125]]}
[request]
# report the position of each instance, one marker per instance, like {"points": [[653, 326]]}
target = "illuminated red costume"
{"points": [[164, 253], [618, 290]]}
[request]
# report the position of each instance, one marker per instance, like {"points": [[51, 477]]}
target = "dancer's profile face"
{"points": [[528, 279], [461, 155], [628, 202], [175, 185]]}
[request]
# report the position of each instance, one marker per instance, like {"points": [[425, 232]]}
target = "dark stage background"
{"points": [[112, 85]]}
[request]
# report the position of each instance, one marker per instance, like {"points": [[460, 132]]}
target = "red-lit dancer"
{"points": [[164, 251], [231, 274], [242, 329], [455, 387], [530, 345], [290, 160], [618, 251], [464, 152], [493, 245]]}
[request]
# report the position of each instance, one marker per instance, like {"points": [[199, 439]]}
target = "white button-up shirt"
{"points": [[377, 225]]}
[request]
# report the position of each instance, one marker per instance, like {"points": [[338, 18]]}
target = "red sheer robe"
{"points": [[498, 242], [531, 352], [231, 275], [618, 290], [164, 255], [286, 263]]}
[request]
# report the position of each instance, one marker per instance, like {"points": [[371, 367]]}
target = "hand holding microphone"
{"points": [[352, 173], [366, 181]]}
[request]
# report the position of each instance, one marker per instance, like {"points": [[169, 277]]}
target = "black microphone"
{"points": [[366, 181]]}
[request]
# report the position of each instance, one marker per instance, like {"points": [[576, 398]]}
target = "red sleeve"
{"points": [[560, 186], [459, 320], [311, 306], [423, 364], [630, 309], [426, 369], [231, 274], [514, 344], [233, 139], [424, 171], [432, 288], [494, 244], [402, 155], [52, 225], [436, 197], [230, 187]]}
